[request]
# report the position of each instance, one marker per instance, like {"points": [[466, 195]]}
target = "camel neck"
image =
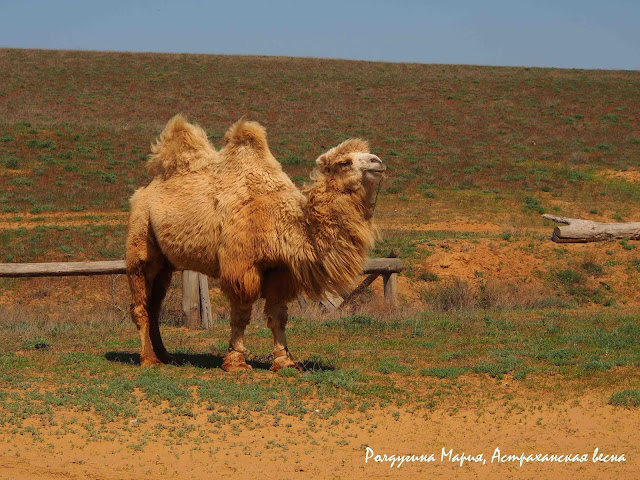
{"points": [[340, 233]]}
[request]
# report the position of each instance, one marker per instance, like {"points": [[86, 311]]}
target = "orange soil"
{"points": [[475, 423], [68, 219], [295, 450]]}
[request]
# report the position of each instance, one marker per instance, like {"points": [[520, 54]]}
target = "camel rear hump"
{"points": [[181, 148]]}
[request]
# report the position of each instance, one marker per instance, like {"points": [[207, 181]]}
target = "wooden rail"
{"points": [[379, 266], [196, 306], [61, 269]]}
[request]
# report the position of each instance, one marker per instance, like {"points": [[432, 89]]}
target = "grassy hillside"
{"points": [[484, 144], [502, 338]]}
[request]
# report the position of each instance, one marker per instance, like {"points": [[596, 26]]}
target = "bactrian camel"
{"points": [[233, 214]]}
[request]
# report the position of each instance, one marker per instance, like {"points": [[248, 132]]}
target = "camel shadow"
{"points": [[210, 361]]}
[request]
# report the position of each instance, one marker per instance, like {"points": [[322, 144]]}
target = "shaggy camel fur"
{"points": [[234, 214]]}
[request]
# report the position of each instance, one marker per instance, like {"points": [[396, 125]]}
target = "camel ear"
{"points": [[322, 163]]}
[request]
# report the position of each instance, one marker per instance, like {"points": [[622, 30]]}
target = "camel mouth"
{"points": [[376, 171]]}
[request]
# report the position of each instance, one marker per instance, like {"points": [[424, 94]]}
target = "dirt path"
{"points": [[338, 449], [387, 221], [13, 221]]}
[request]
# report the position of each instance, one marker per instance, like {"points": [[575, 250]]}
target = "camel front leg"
{"points": [[277, 316], [235, 360]]}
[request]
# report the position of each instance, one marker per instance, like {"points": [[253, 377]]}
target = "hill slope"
{"points": [[463, 143]]}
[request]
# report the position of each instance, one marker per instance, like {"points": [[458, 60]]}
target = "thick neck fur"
{"points": [[340, 233]]}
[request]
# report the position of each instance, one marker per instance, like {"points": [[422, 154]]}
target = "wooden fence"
{"points": [[196, 306]]}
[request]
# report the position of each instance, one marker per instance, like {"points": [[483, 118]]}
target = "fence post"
{"points": [[190, 299], [390, 282], [205, 302]]}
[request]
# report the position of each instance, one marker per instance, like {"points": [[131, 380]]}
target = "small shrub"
{"points": [[570, 277], [625, 398], [108, 177], [497, 369], [41, 144], [598, 365], [431, 277], [291, 160], [575, 176], [456, 294], [532, 204], [626, 245], [37, 343], [11, 162], [561, 357], [392, 365], [22, 182], [611, 118], [592, 268]]}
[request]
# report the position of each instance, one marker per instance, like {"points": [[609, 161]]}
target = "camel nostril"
{"points": [[375, 161]]}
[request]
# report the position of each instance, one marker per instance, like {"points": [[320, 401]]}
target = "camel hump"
{"points": [[182, 147], [245, 132]]}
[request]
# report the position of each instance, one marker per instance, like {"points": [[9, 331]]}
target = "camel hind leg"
{"points": [[141, 292], [149, 283], [149, 274], [161, 284]]}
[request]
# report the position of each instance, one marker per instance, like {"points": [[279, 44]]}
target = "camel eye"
{"points": [[345, 163]]}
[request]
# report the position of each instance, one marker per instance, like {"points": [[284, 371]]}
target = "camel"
{"points": [[234, 214]]}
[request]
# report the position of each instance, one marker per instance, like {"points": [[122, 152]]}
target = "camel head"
{"points": [[350, 166]]}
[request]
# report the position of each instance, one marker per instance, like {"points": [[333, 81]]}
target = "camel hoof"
{"points": [[150, 361], [284, 362], [235, 362], [167, 359]]}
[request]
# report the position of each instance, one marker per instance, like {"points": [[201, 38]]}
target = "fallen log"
{"points": [[577, 230]]}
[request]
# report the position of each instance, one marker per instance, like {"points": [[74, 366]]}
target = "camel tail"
{"points": [[181, 148], [247, 133]]}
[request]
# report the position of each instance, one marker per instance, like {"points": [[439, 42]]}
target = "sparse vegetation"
{"points": [[528, 329], [626, 398]]}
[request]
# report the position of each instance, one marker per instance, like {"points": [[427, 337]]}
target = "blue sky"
{"points": [[551, 33]]}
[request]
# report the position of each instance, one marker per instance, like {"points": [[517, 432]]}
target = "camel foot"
{"points": [[150, 361], [234, 362], [166, 358], [284, 361]]}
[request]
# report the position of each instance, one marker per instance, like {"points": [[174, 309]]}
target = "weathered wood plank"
{"points": [[359, 289], [111, 267], [205, 302], [390, 282], [61, 269], [382, 265], [190, 299]]}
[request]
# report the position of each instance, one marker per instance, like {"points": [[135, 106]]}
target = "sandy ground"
{"points": [[315, 448], [462, 443]]}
